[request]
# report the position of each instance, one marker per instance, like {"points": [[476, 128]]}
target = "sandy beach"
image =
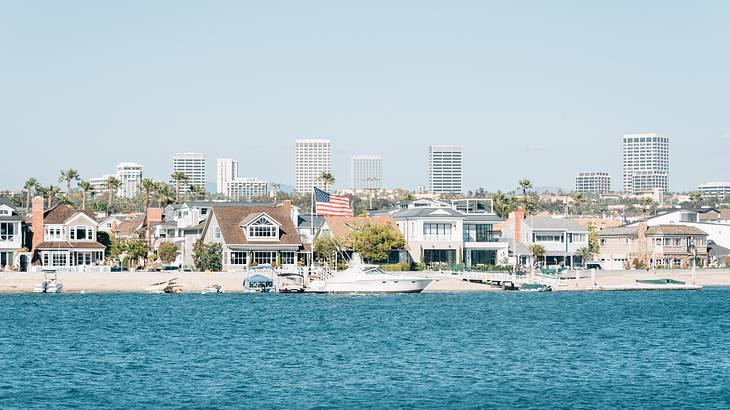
{"points": [[19, 282]]}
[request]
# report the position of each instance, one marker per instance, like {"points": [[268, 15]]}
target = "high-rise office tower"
{"points": [[646, 163], [593, 182], [226, 171], [445, 169], [191, 164], [367, 172], [311, 159]]}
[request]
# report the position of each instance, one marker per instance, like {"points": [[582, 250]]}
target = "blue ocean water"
{"points": [[449, 350]]}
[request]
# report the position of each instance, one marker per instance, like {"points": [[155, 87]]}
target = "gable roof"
{"points": [[427, 213], [674, 230], [128, 227], [255, 216], [229, 220], [62, 213], [631, 231], [341, 226], [544, 222]]}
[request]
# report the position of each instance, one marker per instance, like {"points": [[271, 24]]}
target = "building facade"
{"points": [[593, 182], [445, 169], [191, 164], [11, 237], [312, 157], [714, 189], [130, 176], [367, 173], [645, 163], [100, 184], [226, 171], [246, 189]]}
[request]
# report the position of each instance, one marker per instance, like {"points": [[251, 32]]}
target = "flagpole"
{"points": [[311, 225]]}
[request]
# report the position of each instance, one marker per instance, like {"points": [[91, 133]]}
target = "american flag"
{"points": [[331, 205]]}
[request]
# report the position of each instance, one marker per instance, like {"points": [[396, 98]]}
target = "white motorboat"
{"points": [[50, 284], [213, 289], [364, 278]]}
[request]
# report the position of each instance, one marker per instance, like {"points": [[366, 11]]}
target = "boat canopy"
{"points": [[259, 279]]}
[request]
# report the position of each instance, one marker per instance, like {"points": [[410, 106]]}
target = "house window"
{"points": [[4, 212], [53, 233], [7, 231], [238, 258], [80, 233], [603, 242], [547, 237], [217, 233], [478, 233], [56, 259], [576, 237], [287, 258], [263, 228], [264, 257], [436, 229]]}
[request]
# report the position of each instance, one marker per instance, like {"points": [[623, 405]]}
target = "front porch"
{"points": [[235, 258], [60, 258]]}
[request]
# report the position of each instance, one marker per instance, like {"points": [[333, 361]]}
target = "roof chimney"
{"points": [[519, 215], [36, 220]]}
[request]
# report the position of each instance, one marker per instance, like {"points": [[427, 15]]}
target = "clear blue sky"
{"points": [[531, 89]]}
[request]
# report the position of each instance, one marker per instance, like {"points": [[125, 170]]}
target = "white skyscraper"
{"points": [[130, 176], [311, 159], [193, 165], [246, 189], [445, 169], [646, 163], [226, 170], [367, 172]]}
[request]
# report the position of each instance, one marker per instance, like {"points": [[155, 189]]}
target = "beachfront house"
{"points": [[340, 228], [11, 237], [661, 246], [254, 235], [717, 230], [445, 236], [64, 238], [560, 237]]}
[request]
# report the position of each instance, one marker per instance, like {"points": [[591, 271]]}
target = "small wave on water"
{"points": [[449, 350]]}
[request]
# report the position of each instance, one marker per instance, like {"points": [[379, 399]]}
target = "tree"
{"points": [[167, 252], [696, 199], [537, 251], [503, 204], [135, 250], [51, 192], [105, 239], [578, 201], [524, 185], [197, 192], [594, 244], [646, 202], [85, 187], [374, 242], [327, 179], [112, 184], [325, 249], [207, 257], [31, 184], [179, 177], [585, 254], [148, 186], [68, 176]]}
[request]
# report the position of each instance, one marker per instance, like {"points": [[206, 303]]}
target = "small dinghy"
{"points": [[50, 284], [213, 289]]}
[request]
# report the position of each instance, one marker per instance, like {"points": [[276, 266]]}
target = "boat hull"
{"points": [[405, 285]]}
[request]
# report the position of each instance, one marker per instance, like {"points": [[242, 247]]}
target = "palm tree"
{"points": [[578, 201], [179, 177], [31, 184], [165, 195], [112, 184], [524, 185], [696, 199], [585, 254], [645, 202], [148, 185], [51, 192], [86, 188], [68, 176], [197, 192], [327, 179], [537, 251], [503, 204]]}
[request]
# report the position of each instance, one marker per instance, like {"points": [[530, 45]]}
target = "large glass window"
{"points": [[7, 231], [80, 233], [447, 256], [478, 233], [264, 257], [53, 233], [263, 228], [238, 258], [287, 258], [547, 237], [436, 229]]}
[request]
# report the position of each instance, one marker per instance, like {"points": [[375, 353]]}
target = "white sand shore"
{"points": [[233, 281]]}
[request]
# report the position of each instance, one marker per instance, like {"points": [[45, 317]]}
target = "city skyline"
{"points": [[567, 86]]}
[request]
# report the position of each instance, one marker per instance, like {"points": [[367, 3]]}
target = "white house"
{"points": [[11, 236], [717, 232], [445, 235]]}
